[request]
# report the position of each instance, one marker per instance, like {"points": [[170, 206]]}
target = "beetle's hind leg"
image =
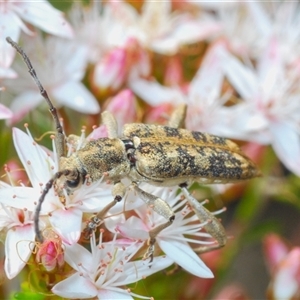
{"points": [[213, 225], [163, 209]]}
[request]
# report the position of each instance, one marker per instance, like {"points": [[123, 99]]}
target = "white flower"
{"points": [[171, 239], [115, 54], [39, 13], [203, 98], [101, 272], [40, 168], [270, 113], [157, 28], [17, 224], [280, 20], [7, 73], [88, 20], [60, 66], [126, 36], [238, 30]]}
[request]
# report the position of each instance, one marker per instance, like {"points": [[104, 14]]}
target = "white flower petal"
{"points": [[75, 254], [131, 275], [75, 66], [242, 78], [134, 228], [5, 220], [286, 144], [42, 14], [261, 19], [8, 28], [18, 249], [285, 287], [24, 103], [76, 96], [167, 46], [94, 197], [110, 295], [184, 256], [75, 287], [67, 222], [209, 78], [154, 93], [20, 197], [188, 32], [7, 73], [270, 69], [35, 160]]}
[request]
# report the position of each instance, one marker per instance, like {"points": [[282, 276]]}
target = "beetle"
{"points": [[159, 155]]}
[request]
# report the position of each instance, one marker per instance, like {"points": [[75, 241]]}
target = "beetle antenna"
{"points": [[38, 208], [60, 138]]}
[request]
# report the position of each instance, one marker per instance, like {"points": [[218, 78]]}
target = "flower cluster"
{"points": [[61, 238], [236, 67]]}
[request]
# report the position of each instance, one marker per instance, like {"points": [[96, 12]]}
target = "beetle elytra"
{"points": [[159, 155]]}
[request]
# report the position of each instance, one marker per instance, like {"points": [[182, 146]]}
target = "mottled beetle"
{"points": [[160, 155]]}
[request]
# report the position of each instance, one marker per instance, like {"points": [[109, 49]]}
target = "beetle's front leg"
{"points": [[163, 209], [213, 226], [118, 192]]}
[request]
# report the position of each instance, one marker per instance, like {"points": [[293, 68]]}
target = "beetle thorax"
{"points": [[103, 158]]}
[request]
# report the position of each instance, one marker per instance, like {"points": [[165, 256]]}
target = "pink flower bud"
{"points": [[286, 281], [275, 250], [123, 107], [110, 72], [50, 253], [173, 73]]}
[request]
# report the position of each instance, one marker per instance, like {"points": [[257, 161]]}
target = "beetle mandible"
{"points": [[159, 155]]}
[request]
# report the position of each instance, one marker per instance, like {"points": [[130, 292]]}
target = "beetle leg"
{"points": [[213, 226], [111, 124], [163, 209], [178, 116], [118, 193]]}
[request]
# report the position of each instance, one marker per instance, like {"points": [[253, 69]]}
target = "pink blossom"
{"points": [[286, 280], [50, 253], [121, 63], [275, 251], [5, 113], [284, 266], [123, 107]]}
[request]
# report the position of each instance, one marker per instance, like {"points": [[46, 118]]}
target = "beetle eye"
{"points": [[73, 183]]}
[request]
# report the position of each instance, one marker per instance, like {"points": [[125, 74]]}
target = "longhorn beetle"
{"points": [[159, 155]]}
